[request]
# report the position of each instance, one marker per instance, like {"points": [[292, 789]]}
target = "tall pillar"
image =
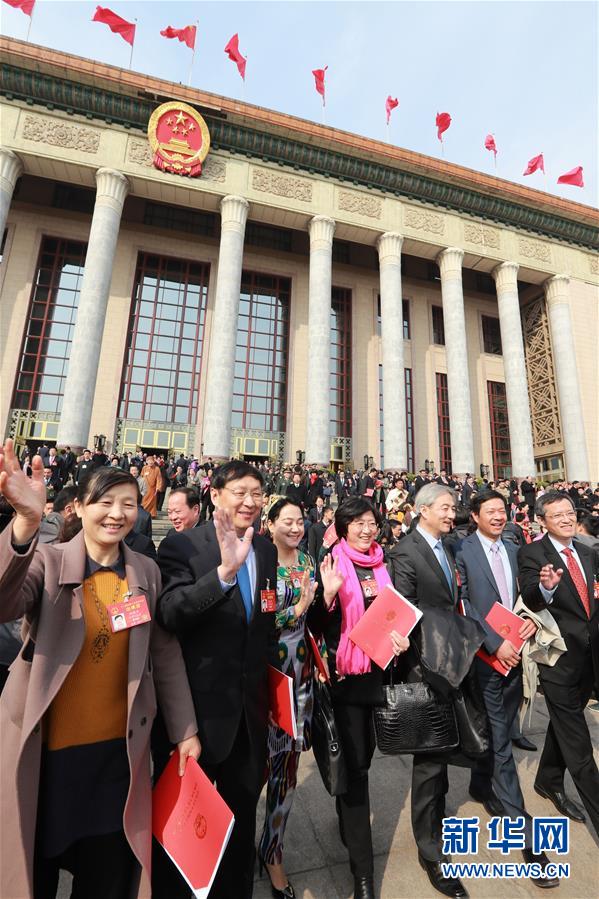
{"points": [[514, 366], [557, 293], [221, 367], [318, 442], [394, 387], [456, 351], [10, 169], [111, 189]]}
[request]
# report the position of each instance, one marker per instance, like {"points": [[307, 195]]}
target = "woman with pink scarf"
{"points": [[350, 578]]}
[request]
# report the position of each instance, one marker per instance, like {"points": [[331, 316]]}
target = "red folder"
{"points": [[282, 704], [369, 492], [330, 537], [390, 611], [192, 823], [318, 661], [506, 624]]}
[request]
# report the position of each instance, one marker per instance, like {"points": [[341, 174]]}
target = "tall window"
{"points": [[438, 325], [443, 419], [50, 324], [500, 430], [340, 370], [491, 335], [161, 371], [409, 419], [405, 305], [260, 386]]}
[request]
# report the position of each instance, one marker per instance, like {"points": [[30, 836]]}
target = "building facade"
{"points": [[312, 291]]}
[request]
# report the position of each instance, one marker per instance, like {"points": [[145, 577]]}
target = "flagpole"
{"points": [[30, 21], [324, 118], [193, 53], [132, 45]]}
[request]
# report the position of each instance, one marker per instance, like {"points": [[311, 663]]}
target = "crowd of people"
{"points": [[257, 556]]}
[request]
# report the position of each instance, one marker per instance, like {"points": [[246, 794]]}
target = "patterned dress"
{"points": [[283, 750]]}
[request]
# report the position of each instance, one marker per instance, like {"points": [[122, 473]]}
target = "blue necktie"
{"points": [[443, 563], [243, 579]]}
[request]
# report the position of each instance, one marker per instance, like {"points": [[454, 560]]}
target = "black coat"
{"points": [[226, 658]]}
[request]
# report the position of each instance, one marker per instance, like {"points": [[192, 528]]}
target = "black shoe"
{"points": [[523, 743], [545, 883], [449, 886], [491, 804], [564, 805], [286, 893], [363, 887]]}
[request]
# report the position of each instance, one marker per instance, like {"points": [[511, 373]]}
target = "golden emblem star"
{"points": [[180, 118], [175, 130], [169, 121], [191, 127]]}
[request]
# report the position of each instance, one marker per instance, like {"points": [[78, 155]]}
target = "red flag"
{"points": [[232, 51], [572, 177], [115, 23], [25, 6], [537, 162], [390, 104], [186, 35], [443, 121], [319, 82], [490, 143]]}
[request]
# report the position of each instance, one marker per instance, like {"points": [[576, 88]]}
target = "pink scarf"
{"points": [[350, 658]]}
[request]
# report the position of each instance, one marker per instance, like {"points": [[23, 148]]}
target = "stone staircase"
{"points": [[160, 527]]}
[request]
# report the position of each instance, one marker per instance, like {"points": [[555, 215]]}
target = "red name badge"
{"points": [[133, 610], [268, 600], [370, 588], [297, 577]]}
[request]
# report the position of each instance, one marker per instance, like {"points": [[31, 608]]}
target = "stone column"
{"points": [[318, 441], [514, 366], [223, 339], [73, 430], [394, 387], [458, 380], [557, 293], [10, 169]]}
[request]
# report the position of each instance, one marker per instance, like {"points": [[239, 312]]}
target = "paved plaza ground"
{"points": [[317, 861]]}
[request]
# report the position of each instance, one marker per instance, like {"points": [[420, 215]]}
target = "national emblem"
{"points": [[179, 139]]}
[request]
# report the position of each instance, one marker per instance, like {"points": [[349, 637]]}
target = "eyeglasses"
{"points": [[562, 516], [363, 526], [255, 495]]}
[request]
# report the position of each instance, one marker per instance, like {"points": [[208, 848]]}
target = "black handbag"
{"points": [[326, 744], [471, 715], [414, 719]]}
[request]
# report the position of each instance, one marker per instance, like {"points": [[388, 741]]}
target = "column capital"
{"points": [[111, 188], [506, 275], [556, 289], [321, 229], [234, 212], [449, 261], [389, 246], [10, 169]]}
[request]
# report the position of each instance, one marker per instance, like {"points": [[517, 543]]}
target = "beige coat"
{"points": [[45, 586]]}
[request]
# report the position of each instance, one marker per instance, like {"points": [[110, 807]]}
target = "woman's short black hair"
{"points": [[103, 479], [276, 508], [350, 509], [235, 471]]}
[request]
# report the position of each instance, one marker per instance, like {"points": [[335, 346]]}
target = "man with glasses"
{"points": [[560, 573], [214, 579]]}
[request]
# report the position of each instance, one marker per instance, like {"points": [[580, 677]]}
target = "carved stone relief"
{"points": [[482, 235], [58, 133], [140, 152], [594, 265], [534, 249], [361, 204], [282, 185], [423, 220]]}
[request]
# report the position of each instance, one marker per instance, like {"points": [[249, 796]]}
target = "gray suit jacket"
{"points": [[479, 590]]}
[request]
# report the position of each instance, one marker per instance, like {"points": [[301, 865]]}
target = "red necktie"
{"points": [[579, 581]]}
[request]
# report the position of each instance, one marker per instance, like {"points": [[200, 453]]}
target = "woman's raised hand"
{"points": [[308, 589], [332, 579], [26, 495]]}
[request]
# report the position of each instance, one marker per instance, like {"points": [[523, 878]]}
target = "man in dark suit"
{"points": [[488, 569], [423, 573], [297, 490], [528, 491], [317, 532], [559, 573], [213, 578], [421, 480]]}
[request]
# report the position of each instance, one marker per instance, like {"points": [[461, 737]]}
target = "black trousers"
{"points": [[356, 731], [568, 741], [239, 780], [103, 867]]}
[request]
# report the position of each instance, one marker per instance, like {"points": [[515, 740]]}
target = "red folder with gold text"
{"points": [[281, 701], [318, 660], [191, 822], [507, 624], [389, 611]]}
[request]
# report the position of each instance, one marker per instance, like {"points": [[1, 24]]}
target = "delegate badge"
{"points": [[133, 610]]}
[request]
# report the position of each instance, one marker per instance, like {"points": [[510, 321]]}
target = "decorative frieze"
{"points": [[482, 235], [423, 220], [282, 185], [58, 133], [534, 249], [360, 204], [594, 264], [140, 153]]}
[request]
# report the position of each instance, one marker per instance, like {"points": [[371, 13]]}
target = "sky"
{"points": [[525, 71]]}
